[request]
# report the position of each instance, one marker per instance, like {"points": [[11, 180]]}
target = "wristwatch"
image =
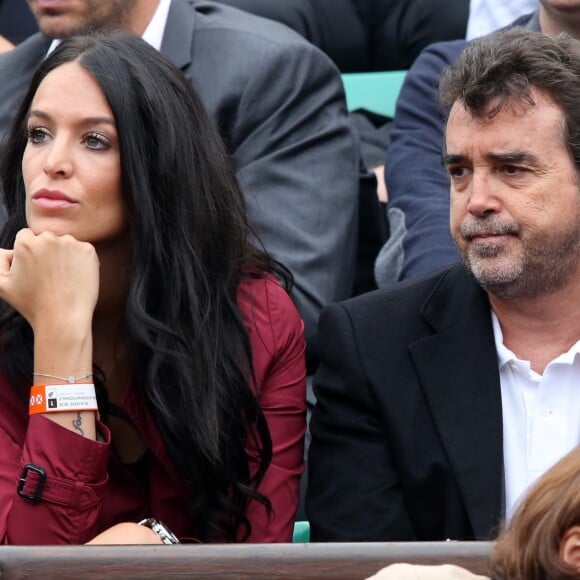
{"points": [[166, 535]]}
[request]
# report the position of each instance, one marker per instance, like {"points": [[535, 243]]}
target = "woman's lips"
{"points": [[50, 199]]}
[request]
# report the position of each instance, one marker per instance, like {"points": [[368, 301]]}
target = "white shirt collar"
{"points": [[153, 33], [505, 355]]}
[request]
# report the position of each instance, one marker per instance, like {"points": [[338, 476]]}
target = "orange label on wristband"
{"points": [[62, 398]]}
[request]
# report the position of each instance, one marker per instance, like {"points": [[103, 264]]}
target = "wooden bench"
{"points": [[348, 561]]}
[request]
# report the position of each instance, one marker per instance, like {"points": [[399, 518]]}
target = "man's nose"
{"points": [[483, 196]]}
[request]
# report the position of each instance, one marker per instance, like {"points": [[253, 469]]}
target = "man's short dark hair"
{"points": [[506, 65]]}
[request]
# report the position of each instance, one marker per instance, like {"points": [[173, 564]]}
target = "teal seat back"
{"points": [[375, 91], [301, 532]]}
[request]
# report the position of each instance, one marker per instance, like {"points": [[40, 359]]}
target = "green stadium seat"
{"points": [[301, 532], [374, 91]]}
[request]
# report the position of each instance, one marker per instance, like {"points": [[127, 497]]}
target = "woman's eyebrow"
{"points": [[97, 120]]}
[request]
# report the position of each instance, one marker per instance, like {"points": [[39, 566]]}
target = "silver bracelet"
{"points": [[71, 379]]}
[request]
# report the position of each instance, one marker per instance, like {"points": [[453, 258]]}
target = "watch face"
{"points": [[166, 535]]}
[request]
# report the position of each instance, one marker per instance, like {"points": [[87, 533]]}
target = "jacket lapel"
{"points": [[177, 44], [458, 370]]}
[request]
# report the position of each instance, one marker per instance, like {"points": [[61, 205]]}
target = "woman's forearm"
{"points": [[63, 356]]}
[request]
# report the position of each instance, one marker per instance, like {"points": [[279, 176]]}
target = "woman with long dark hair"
{"points": [[165, 356]]}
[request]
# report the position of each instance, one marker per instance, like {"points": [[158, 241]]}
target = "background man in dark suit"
{"points": [[366, 35], [416, 180], [440, 401], [279, 104]]}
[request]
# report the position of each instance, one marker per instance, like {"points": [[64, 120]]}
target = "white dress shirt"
{"points": [[486, 16], [541, 415]]}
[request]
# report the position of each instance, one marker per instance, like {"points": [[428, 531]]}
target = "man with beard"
{"points": [[441, 401], [415, 177], [279, 104]]}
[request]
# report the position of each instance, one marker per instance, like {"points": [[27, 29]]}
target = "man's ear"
{"points": [[570, 547]]}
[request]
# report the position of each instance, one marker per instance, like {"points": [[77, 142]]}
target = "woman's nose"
{"points": [[58, 161]]}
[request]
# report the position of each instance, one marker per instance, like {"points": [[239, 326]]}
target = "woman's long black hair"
{"points": [[192, 245]]}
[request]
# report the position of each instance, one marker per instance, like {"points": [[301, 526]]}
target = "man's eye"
{"points": [[457, 171], [512, 169]]}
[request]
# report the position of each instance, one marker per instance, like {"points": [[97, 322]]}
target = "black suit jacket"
{"points": [[407, 431], [279, 104]]}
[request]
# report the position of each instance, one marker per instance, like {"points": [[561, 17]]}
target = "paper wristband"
{"points": [[62, 398]]}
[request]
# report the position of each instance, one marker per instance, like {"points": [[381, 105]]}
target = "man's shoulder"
{"points": [[439, 55], [16, 69], [449, 300], [227, 23], [227, 51], [26, 55], [446, 52], [231, 58], [403, 300]]}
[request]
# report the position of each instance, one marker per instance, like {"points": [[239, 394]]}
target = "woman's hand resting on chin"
{"points": [[50, 280]]}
